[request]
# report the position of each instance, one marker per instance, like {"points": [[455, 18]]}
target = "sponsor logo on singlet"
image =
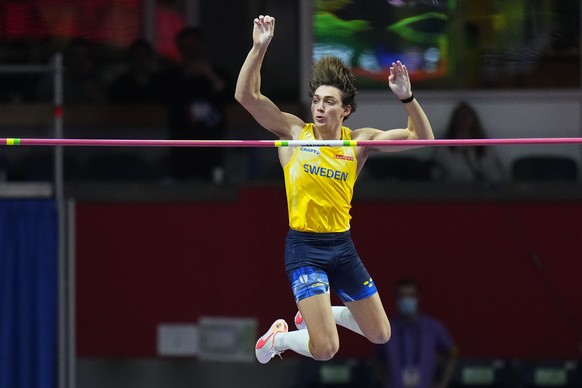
{"points": [[308, 149], [344, 157]]}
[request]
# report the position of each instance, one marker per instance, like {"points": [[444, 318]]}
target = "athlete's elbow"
{"points": [[245, 97], [239, 96]]}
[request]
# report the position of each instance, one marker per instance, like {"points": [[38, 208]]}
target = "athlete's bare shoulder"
{"points": [[295, 125]]}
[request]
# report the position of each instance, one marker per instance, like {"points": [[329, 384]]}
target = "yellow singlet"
{"points": [[320, 183]]}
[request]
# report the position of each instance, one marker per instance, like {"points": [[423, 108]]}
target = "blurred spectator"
{"points": [[418, 342], [137, 84], [16, 87], [82, 83], [196, 93], [467, 164], [3, 168]]}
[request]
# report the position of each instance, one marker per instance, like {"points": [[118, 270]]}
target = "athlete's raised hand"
{"points": [[399, 80], [263, 31]]}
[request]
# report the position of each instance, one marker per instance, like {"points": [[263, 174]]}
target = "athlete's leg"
{"points": [[323, 335], [345, 318], [307, 258], [358, 292], [371, 318], [320, 340], [297, 340], [341, 315]]}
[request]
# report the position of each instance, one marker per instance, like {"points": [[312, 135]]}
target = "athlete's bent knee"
{"points": [[323, 351], [380, 335]]}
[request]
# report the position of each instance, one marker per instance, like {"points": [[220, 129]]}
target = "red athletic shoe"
{"points": [[300, 322]]}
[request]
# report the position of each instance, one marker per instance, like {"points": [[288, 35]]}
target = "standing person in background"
{"points": [[138, 83], [82, 81], [479, 164], [410, 359], [196, 93], [319, 252]]}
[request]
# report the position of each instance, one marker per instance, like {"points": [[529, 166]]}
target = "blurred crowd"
{"points": [[195, 93]]}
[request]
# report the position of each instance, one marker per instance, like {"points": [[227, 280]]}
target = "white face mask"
{"points": [[408, 305]]}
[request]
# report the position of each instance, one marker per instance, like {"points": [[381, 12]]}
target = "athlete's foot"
{"points": [[299, 321], [265, 348]]}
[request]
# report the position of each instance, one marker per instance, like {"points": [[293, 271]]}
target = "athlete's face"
{"points": [[327, 108]]}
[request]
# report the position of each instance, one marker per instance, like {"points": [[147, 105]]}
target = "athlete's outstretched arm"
{"points": [[418, 127], [248, 86]]}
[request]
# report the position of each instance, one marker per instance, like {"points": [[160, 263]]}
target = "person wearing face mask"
{"points": [[411, 358]]}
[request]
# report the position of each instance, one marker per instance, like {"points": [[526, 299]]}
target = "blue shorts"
{"points": [[316, 261]]}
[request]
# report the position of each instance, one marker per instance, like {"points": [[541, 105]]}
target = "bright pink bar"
{"points": [[274, 143]]}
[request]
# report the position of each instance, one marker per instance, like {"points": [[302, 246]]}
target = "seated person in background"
{"points": [[137, 84], [411, 358], [467, 164]]}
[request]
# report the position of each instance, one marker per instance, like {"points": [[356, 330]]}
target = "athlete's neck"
{"points": [[327, 133]]}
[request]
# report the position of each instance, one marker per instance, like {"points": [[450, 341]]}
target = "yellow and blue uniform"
{"points": [[319, 251]]}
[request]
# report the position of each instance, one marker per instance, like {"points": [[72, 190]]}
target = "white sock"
{"points": [[297, 340], [344, 317]]}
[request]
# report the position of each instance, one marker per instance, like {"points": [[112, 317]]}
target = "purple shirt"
{"points": [[415, 345]]}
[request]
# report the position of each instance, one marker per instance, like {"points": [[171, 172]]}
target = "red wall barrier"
{"points": [[504, 277]]}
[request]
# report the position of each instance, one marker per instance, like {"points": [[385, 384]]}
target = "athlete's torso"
{"points": [[319, 182]]}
